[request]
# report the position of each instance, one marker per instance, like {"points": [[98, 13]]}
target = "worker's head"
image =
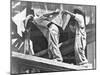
{"points": [[78, 10], [32, 12]]}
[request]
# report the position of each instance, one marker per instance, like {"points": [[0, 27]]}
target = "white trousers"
{"points": [[53, 43], [80, 45]]}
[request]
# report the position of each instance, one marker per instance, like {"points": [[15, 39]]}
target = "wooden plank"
{"points": [[44, 64], [41, 53]]}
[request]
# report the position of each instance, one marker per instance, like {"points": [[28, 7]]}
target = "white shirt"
{"points": [[80, 28]]}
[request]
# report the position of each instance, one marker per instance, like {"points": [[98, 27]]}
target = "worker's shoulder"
{"points": [[79, 18]]}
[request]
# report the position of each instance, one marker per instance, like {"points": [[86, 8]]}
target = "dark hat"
{"points": [[78, 9], [32, 12]]}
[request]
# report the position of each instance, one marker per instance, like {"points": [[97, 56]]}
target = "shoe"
{"points": [[87, 65], [82, 63]]}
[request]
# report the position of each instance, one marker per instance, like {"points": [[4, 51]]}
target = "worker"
{"points": [[53, 36], [29, 22], [78, 20], [56, 27]]}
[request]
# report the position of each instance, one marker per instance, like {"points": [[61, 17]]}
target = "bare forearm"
{"points": [[68, 12], [66, 22]]}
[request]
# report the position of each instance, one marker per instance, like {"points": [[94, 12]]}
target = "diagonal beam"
{"points": [[44, 64]]}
